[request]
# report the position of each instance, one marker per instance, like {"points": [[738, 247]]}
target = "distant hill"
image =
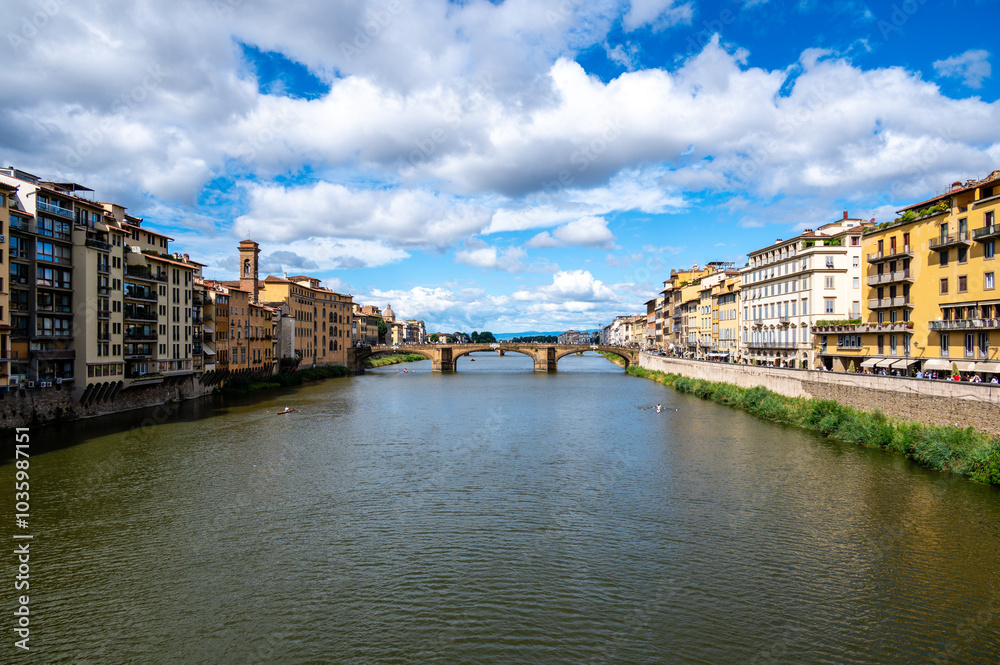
{"points": [[532, 333]]}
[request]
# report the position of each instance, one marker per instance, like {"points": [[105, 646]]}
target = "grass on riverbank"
{"points": [[942, 448], [618, 360], [394, 359], [240, 385]]}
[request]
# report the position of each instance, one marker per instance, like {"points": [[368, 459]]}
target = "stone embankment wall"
{"points": [[921, 400], [23, 408]]}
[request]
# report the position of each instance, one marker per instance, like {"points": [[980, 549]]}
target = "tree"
{"points": [[487, 338], [434, 338], [382, 330], [850, 368], [475, 337]]}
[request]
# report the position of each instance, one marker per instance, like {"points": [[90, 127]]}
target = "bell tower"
{"points": [[249, 253]]}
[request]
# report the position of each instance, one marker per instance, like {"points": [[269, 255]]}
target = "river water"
{"points": [[497, 516]]}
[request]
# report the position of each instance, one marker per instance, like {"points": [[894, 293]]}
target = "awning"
{"points": [[207, 329], [870, 362], [992, 368], [208, 351], [936, 364], [885, 362], [965, 366], [904, 363]]}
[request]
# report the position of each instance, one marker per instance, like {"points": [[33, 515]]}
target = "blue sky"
{"points": [[505, 166]]}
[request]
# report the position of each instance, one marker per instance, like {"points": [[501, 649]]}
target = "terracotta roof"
{"points": [[171, 260]]}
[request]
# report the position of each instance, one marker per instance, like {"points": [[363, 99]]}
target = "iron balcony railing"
{"points": [[942, 242], [966, 324], [892, 253], [890, 277], [882, 303], [987, 232], [774, 345]]}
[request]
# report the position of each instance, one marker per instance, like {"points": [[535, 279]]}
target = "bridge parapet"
{"points": [[444, 357]]}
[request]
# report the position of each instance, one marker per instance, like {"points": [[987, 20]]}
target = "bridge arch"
{"points": [[531, 353]]}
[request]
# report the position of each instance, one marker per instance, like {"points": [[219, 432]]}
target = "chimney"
{"points": [[186, 258], [845, 214]]}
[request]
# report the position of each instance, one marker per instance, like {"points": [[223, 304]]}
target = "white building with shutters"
{"points": [[790, 285]]}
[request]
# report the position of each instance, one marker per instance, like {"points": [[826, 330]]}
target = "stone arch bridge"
{"points": [[444, 356]]}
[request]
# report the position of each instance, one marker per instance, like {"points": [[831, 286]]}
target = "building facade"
{"points": [[791, 285]]}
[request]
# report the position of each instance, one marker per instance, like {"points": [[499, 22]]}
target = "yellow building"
{"points": [[680, 296], [726, 318], [322, 317], [932, 303]]}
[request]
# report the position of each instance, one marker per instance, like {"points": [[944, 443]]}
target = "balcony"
{"points": [[104, 313], [987, 233], [891, 254], [784, 319], [103, 269], [774, 345], [966, 324], [99, 244], [53, 333], [54, 209], [103, 337], [955, 240], [137, 294], [137, 336], [897, 327], [890, 277], [884, 303], [139, 316], [196, 336], [142, 272]]}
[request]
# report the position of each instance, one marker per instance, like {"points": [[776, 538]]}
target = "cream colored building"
{"points": [[790, 285]]}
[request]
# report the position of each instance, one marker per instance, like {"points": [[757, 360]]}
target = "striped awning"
{"points": [[937, 364], [870, 362]]}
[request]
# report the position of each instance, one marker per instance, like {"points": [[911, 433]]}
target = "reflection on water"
{"points": [[498, 515]]}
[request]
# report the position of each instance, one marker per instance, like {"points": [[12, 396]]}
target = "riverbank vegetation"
{"points": [[240, 385], [616, 359], [394, 359], [942, 448]]}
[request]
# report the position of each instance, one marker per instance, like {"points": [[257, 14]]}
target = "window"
{"points": [[829, 262], [988, 281], [944, 345], [988, 250], [970, 350], [830, 305], [963, 254], [963, 283], [857, 261], [943, 260], [984, 344], [829, 282], [944, 285], [856, 283]]}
